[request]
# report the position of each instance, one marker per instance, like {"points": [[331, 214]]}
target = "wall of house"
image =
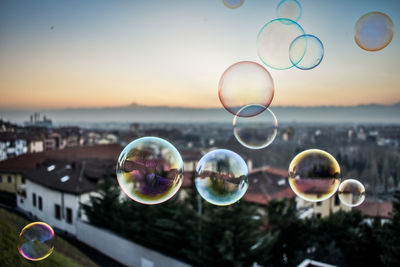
{"points": [[10, 185], [322, 208], [36, 146], [123, 250], [49, 199]]}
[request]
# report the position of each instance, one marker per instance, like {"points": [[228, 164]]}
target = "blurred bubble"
{"points": [[150, 170], [233, 3], [36, 241], [373, 31], [221, 177], [314, 175], [307, 50], [256, 132], [289, 9], [274, 40], [351, 193], [246, 83]]}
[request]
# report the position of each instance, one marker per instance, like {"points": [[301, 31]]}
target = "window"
{"points": [[23, 180], [319, 203], [57, 212], [318, 215], [34, 199], [9, 179], [40, 203], [1, 179], [337, 200], [69, 215]]}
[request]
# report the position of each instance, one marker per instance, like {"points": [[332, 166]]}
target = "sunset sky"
{"points": [[62, 54]]}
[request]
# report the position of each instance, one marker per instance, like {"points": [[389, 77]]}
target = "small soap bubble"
{"points": [[221, 177], [307, 50], [233, 3], [314, 175], [36, 241], [150, 170], [256, 132], [351, 192], [373, 31], [274, 40], [246, 83], [289, 9]]}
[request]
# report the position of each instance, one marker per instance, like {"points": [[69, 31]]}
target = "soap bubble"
{"points": [[373, 31], [351, 193], [256, 132], [233, 3], [274, 40], [150, 170], [289, 9], [314, 175], [36, 241], [221, 177], [245, 83], [307, 50]]}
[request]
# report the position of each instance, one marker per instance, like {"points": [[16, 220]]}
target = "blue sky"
{"points": [[110, 53]]}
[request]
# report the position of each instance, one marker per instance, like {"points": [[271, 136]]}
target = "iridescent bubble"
{"points": [[274, 40], [373, 31], [150, 170], [351, 193], [233, 3], [36, 241], [246, 83], [221, 177], [307, 50], [256, 132], [314, 175], [289, 9]]}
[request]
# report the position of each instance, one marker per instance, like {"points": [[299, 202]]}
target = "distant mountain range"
{"points": [[372, 113]]}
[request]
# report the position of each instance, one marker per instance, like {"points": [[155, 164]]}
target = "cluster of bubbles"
{"points": [[314, 175], [36, 241]]}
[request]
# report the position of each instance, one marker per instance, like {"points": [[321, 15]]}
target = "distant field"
{"points": [[64, 254]]}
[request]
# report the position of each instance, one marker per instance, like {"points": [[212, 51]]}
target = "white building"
{"points": [[53, 192]]}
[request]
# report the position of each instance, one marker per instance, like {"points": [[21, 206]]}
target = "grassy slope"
{"points": [[63, 255]]}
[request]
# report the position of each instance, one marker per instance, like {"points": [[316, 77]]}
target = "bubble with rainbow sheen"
{"points": [[273, 42], [256, 132], [314, 175], [221, 177], [36, 241], [351, 192], [150, 170], [289, 9], [245, 83], [307, 50], [373, 31], [233, 3]]}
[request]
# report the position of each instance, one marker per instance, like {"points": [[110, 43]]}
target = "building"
{"points": [[12, 145], [35, 121], [55, 188]]}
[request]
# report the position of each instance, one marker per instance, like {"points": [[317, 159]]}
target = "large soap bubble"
{"points": [[221, 177], [256, 132], [36, 241], [150, 170], [246, 83], [351, 192], [289, 9], [314, 175], [307, 50], [274, 40], [233, 3], [373, 31]]}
